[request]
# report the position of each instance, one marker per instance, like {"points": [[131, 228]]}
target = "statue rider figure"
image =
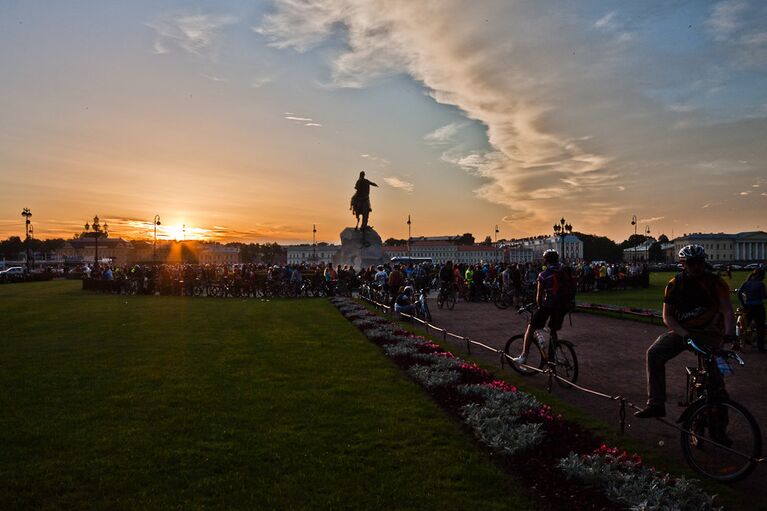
{"points": [[360, 205]]}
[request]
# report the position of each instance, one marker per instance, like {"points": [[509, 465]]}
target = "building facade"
{"points": [[441, 252], [311, 254], [83, 250], [743, 247], [569, 248]]}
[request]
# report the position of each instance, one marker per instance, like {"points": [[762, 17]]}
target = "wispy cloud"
{"points": [[443, 134], [305, 121], [650, 220], [193, 33], [396, 182], [381, 162], [561, 133], [606, 21], [725, 18], [259, 82]]}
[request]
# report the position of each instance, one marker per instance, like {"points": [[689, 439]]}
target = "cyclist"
{"points": [[751, 294], [446, 278], [696, 304], [550, 306]]}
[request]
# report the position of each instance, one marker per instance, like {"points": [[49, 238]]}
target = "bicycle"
{"points": [[500, 296], [745, 328], [422, 307], [720, 438], [446, 296], [564, 363]]}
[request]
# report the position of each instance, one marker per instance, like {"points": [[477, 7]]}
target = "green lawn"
{"points": [[652, 297], [114, 402]]}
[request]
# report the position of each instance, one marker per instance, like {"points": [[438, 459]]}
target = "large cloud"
{"points": [[574, 111]]}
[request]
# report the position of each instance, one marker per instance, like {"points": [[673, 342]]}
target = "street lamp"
{"points": [[98, 231], [562, 229], [496, 243], [314, 243], [26, 213], [408, 236], [634, 223], [156, 222]]}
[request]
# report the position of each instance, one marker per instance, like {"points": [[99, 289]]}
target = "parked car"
{"points": [[12, 271], [753, 266]]}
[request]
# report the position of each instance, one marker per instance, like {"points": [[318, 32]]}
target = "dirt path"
{"points": [[611, 355]]}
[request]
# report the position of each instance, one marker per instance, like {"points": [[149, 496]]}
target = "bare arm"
{"points": [[671, 322], [539, 295]]}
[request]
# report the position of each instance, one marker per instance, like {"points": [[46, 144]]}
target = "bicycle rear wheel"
{"points": [[450, 300], [535, 358], [566, 363], [731, 426]]}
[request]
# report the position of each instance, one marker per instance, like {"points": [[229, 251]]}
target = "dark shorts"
{"points": [[555, 318]]}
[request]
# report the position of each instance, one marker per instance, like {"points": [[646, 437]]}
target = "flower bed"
{"points": [[565, 465]]}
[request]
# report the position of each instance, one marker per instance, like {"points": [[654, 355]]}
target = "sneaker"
{"points": [[651, 411], [522, 359]]}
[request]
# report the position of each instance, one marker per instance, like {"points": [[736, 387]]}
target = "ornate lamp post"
{"points": [[156, 222], [634, 223], [408, 236], [26, 213], [496, 243], [314, 243], [98, 231], [562, 229]]}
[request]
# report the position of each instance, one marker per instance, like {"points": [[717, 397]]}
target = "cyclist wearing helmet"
{"points": [[696, 304], [548, 308]]}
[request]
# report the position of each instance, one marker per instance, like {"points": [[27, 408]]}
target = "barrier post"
{"points": [[623, 415]]}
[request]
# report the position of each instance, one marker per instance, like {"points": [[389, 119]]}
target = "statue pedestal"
{"points": [[358, 252]]}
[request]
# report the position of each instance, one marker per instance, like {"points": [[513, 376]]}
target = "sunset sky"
{"points": [[251, 120]]}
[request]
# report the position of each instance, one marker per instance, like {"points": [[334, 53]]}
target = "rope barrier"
{"points": [[548, 370]]}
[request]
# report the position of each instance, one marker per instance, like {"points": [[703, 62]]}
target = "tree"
{"points": [[394, 242], [663, 239], [465, 239], [655, 254], [488, 241], [599, 248], [633, 241]]}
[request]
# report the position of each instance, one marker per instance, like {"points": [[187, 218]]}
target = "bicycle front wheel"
{"points": [[565, 363], [721, 440], [535, 358]]}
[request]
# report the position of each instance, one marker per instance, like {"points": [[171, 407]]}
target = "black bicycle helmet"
{"points": [[692, 253], [551, 256]]}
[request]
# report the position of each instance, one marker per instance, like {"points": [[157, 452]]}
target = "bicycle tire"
{"points": [[426, 312], [742, 432], [441, 299], [566, 363], [535, 357], [500, 299], [450, 301]]}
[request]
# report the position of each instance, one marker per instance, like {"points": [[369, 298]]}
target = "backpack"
{"points": [[563, 289]]}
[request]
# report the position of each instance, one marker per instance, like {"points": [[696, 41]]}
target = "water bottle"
{"points": [[723, 366]]}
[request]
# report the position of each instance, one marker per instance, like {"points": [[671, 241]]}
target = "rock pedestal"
{"points": [[358, 252]]}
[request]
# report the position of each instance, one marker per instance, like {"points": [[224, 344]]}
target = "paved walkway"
{"points": [[611, 355]]}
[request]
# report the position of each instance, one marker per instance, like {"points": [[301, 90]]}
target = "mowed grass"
{"points": [[652, 297], [113, 402]]}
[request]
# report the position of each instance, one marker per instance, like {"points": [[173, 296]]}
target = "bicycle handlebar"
{"points": [[710, 353]]}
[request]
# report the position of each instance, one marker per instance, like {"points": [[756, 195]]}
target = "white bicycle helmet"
{"points": [[692, 252]]}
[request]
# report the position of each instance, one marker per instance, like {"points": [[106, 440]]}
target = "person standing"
{"points": [[752, 295]]}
